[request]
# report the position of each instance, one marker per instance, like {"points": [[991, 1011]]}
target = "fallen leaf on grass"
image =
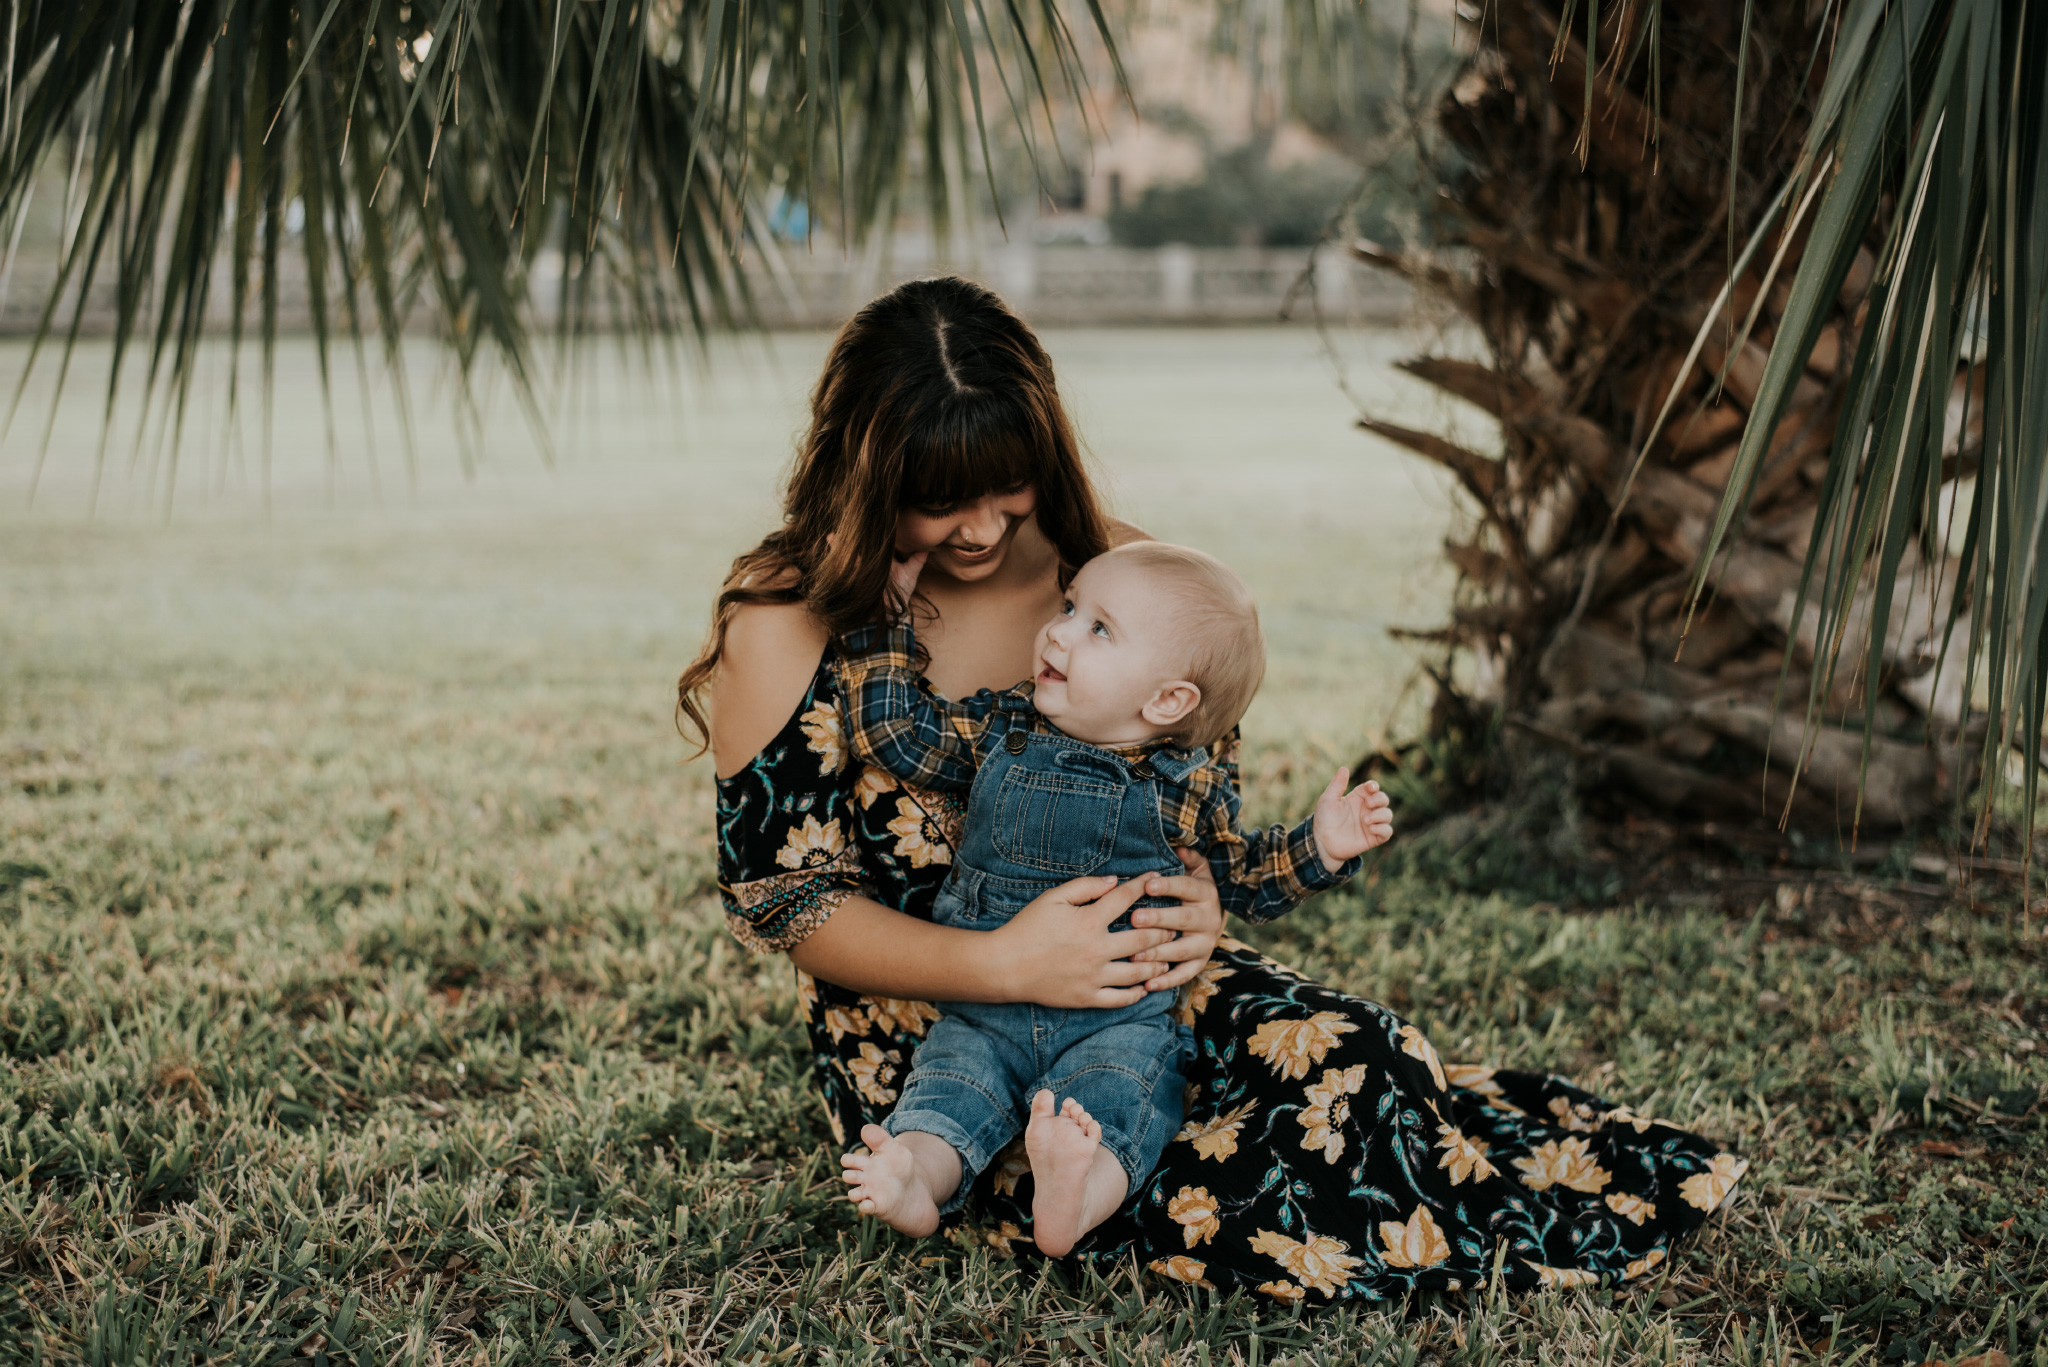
{"points": [[587, 1322], [1883, 1219], [1814, 1194], [1938, 1148]]}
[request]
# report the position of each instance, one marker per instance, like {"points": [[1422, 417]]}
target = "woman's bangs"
{"points": [[966, 461]]}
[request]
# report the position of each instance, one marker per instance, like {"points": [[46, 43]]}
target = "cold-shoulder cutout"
{"points": [[771, 654]]}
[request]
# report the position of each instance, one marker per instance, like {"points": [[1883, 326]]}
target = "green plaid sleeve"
{"points": [[1262, 874], [893, 719]]}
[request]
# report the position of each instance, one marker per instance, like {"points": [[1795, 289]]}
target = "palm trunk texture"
{"points": [[1595, 218]]}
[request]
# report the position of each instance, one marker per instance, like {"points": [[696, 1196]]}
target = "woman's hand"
{"points": [[1060, 952], [1198, 918], [903, 583]]}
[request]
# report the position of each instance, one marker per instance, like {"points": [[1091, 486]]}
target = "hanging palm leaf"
{"points": [[418, 156], [1930, 142]]}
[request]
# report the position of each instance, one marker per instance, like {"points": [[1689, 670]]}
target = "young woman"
{"points": [[1327, 1151]]}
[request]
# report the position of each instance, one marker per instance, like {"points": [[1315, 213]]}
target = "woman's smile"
{"points": [[974, 556]]}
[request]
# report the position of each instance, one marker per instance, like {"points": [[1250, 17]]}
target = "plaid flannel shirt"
{"points": [[893, 719]]}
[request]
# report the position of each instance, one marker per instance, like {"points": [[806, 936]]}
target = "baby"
{"points": [[1099, 765]]}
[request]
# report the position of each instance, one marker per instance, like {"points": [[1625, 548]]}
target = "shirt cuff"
{"points": [[1309, 866]]}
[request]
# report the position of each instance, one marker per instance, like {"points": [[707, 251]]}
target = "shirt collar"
{"points": [[1171, 759]]}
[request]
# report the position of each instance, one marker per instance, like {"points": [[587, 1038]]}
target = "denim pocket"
{"points": [[1055, 823]]}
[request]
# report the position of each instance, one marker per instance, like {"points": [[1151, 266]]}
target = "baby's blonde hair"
{"points": [[1219, 621]]}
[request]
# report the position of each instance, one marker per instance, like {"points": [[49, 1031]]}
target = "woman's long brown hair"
{"points": [[934, 395]]}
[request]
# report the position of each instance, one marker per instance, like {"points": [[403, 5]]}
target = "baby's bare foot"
{"points": [[886, 1184], [1063, 1149]]}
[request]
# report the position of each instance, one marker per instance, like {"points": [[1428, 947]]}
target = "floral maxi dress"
{"points": [[1327, 1151]]}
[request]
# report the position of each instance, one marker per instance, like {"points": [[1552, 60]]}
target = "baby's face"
{"points": [[1108, 653]]}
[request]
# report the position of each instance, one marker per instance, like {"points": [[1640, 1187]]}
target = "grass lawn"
{"points": [[364, 995]]}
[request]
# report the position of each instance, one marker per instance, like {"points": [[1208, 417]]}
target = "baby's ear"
{"points": [[1171, 705]]}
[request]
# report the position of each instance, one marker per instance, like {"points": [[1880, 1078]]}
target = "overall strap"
{"points": [[1017, 731]]}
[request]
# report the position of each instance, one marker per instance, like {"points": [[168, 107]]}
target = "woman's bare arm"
{"points": [[1057, 952]]}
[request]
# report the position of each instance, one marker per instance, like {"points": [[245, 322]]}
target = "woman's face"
{"points": [[969, 541]]}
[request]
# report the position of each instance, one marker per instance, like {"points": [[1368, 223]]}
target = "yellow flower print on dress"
{"points": [[999, 1238], [1630, 1207], [1708, 1189], [871, 784], [807, 993], [1283, 1291], [1318, 1261], [823, 737], [1182, 1268], [1477, 1077], [1572, 1115], [811, 844], [842, 1021], [1196, 993], [872, 1073], [1327, 1110], [1011, 1164], [1215, 1137], [1415, 1242], [1564, 1276], [1194, 1210], [917, 838], [1291, 1048], [1622, 1115], [1564, 1163], [1464, 1157], [1642, 1264], [894, 1013], [1415, 1044]]}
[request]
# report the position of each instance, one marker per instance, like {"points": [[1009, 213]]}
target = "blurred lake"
{"points": [[488, 557]]}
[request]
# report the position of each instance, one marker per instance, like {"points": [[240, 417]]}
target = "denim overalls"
{"points": [[1046, 808]]}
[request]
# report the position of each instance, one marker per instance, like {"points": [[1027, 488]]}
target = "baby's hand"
{"points": [[1349, 824], [902, 583]]}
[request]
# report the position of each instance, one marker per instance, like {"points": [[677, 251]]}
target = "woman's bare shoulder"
{"points": [[1122, 533], [771, 653]]}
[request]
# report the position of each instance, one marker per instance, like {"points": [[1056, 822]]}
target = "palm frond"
{"points": [[1927, 145], [418, 157]]}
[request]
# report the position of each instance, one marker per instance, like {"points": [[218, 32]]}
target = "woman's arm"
{"points": [[1057, 952]]}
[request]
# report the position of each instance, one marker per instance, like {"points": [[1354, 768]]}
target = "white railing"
{"points": [[1082, 286], [1052, 286]]}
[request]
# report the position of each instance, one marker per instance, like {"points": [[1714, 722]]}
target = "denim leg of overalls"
{"points": [[1046, 808]]}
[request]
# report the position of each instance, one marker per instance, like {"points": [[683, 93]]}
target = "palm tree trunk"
{"points": [[1599, 242]]}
